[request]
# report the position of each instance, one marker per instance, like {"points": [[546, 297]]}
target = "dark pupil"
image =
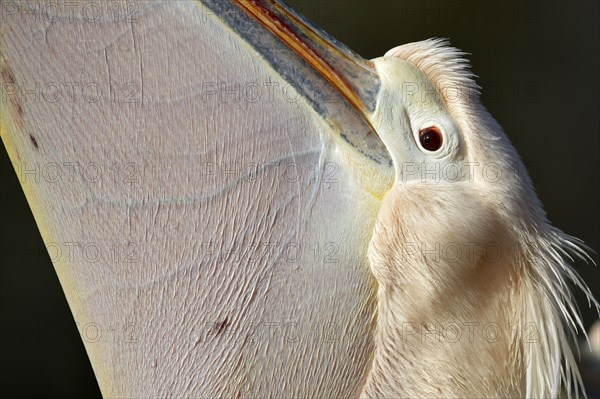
{"points": [[431, 139]]}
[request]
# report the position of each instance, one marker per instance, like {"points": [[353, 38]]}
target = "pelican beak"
{"points": [[352, 76]]}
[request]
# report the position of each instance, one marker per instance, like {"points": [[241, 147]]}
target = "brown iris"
{"points": [[431, 138]]}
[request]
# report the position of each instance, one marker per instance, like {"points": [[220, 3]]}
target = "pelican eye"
{"points": [[431, 138]]}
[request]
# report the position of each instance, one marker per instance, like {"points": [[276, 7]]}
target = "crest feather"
{"points": [[444, 65]]}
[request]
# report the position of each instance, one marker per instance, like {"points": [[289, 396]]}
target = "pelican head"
{"points": [[472, 281]]}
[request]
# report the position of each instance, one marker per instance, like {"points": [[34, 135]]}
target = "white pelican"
{"points": [[263, 213]]}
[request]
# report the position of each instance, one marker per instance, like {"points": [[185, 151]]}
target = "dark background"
{"points": [[538, 64]]}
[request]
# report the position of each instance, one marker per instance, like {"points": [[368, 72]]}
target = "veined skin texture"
{"points": [[204, 322]]}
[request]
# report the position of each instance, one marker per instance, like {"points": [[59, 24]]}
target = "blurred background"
{"points": [[538, 64]]}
